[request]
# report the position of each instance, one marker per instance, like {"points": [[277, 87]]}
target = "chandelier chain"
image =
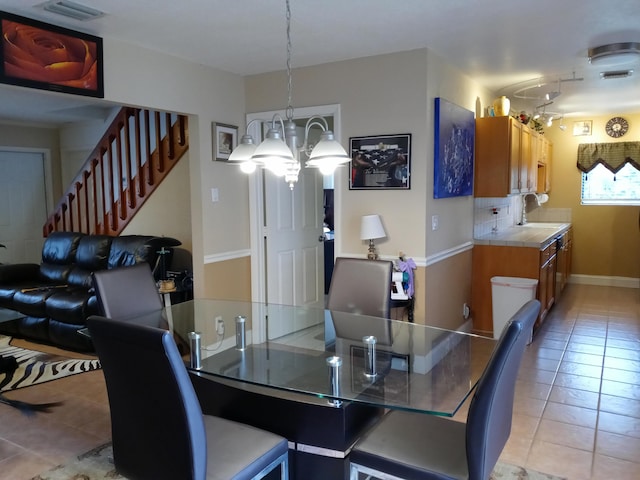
{"points": [[289, 112]]}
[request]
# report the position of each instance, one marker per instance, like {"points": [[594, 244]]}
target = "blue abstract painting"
{"points": [[454, 147]]}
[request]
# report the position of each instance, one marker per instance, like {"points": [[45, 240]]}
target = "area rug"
{"points": [[97, 464], [38, 367]]}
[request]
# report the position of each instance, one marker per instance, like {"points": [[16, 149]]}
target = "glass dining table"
{"points": [[349, 368]]}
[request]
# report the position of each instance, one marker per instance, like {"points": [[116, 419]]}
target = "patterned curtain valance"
{"points": [[612, 155]]}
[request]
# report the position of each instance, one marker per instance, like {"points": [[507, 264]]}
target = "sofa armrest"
{"points": [[19, 272]]}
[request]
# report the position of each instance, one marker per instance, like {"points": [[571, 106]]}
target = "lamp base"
{"points": [[372, 255]]}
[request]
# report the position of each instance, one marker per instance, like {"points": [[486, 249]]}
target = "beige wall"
{"points": [[394, 94], [606, 238], [229, 280], [167, 212], [207, 95]]}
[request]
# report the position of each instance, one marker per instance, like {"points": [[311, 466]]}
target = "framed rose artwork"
{"points": [[39, 55]]}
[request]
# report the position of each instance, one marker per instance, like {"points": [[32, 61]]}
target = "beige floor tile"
{"points": [[578, 382], [620, 389], [571, 396], [620, 424], [516, 451], [571, 414], [540, 391], [575, 464], [580, 369], [608, 468], [620, 405], [561, 433], [617, 446]]}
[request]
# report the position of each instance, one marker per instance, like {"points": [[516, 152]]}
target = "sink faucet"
{"points": [[523, 218]]}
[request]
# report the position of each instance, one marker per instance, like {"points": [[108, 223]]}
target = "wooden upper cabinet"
{"points": [[504, 163], [544, 157]]}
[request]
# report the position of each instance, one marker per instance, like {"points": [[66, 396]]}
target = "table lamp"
{"points": [[370, 229]]}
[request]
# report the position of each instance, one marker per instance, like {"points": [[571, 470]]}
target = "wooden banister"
{"points": [[130, 161]]}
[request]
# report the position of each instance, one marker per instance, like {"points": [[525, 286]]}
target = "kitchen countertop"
{"points": [[532, 234]]}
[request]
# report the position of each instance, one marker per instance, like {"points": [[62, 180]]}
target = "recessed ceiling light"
{"points": [[72, 9]]}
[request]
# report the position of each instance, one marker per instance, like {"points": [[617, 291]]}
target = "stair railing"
{"points": [[135, 154]]}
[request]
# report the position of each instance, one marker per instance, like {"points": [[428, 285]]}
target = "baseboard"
{"points": [[605, 281]]}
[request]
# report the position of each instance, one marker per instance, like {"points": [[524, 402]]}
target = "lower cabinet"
{"points": [[510, 261]]}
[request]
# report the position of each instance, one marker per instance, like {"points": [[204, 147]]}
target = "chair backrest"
{"points": [[491, 409], [127, 291], [361, 286], [156, 421]]}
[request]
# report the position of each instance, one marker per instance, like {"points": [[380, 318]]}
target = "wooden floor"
{"points": [[577, 411]]}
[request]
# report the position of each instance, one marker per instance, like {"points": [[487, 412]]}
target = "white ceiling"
{"points": [[503, 44]]}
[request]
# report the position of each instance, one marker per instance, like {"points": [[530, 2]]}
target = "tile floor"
{"points": [[577, 408]]}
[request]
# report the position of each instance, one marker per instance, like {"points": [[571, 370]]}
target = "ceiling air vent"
{"points": [[72, 9], [616, 74]]}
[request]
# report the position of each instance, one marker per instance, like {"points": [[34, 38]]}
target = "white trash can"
{"points": [[508, 294]]}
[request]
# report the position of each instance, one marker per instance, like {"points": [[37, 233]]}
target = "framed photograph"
{"points": [[380, 162], [454, 149], [39, 55], [582, 128], [225, 139]]}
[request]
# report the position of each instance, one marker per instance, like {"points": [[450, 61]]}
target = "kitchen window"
{"points": [[603, 187], [600, 185]]}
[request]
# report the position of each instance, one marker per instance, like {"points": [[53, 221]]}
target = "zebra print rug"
{"points": [[38, 367]]}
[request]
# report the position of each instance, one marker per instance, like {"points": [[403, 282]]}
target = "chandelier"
{"points": [[280, 152]]}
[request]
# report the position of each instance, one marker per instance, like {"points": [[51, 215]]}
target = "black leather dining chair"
{"points": [[361, 286], [158, 429], [127, 291], [415, 446]]}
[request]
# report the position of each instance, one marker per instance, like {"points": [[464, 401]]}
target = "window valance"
{"points": [[613, 156]]}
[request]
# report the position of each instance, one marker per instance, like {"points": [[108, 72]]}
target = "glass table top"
{"points": [[417, 368]]}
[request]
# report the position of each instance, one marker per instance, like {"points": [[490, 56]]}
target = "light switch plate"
{"points": [[215, 196], [435, 222]]}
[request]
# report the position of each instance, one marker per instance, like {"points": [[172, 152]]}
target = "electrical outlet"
{"points": [[465, 311], [219, 325]]}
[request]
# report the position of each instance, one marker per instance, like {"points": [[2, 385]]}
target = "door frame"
{"points": [[256, 193]]}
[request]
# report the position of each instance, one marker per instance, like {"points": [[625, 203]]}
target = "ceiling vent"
{"points": [[616, 74], [72, 10]]}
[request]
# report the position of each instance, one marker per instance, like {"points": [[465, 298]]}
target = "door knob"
{"points": [[321, 238]]}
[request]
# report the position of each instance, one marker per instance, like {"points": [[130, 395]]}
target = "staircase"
{"points": [[136, 153]]}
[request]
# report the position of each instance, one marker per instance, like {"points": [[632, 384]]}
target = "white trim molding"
{"points": [[223, 257], [604, 281]]}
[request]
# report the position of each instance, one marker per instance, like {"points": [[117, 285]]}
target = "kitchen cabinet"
{"points": [[544, 153], [504, 158], [512, 261], [563, 269]]}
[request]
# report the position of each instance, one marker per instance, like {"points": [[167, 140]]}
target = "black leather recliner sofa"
{"points": [[55, 297]]}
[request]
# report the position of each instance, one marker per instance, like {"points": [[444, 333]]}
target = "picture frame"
{"points": [[454, 145], [582, 128], [74, 65], [225, 139], [380, 162]]}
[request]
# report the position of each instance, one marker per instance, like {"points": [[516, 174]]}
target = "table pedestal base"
{"points": [[320, 435]]}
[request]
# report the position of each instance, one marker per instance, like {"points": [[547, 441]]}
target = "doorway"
{"points": [[286, 269], [23, 204]]}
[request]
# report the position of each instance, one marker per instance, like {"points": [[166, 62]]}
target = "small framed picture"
{"points": [[225, 139], [582, 128]]}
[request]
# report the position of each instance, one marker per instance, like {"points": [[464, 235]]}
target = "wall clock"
{"points": [[617, 127]]}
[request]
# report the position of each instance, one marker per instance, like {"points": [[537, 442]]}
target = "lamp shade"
{"points": [[244, 151], [371, 227], [327, 154]]}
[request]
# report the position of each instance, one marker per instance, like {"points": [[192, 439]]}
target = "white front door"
{"points": [[23, 207]]}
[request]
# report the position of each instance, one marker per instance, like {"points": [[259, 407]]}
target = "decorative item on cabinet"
{"points": [[501, 106]]}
